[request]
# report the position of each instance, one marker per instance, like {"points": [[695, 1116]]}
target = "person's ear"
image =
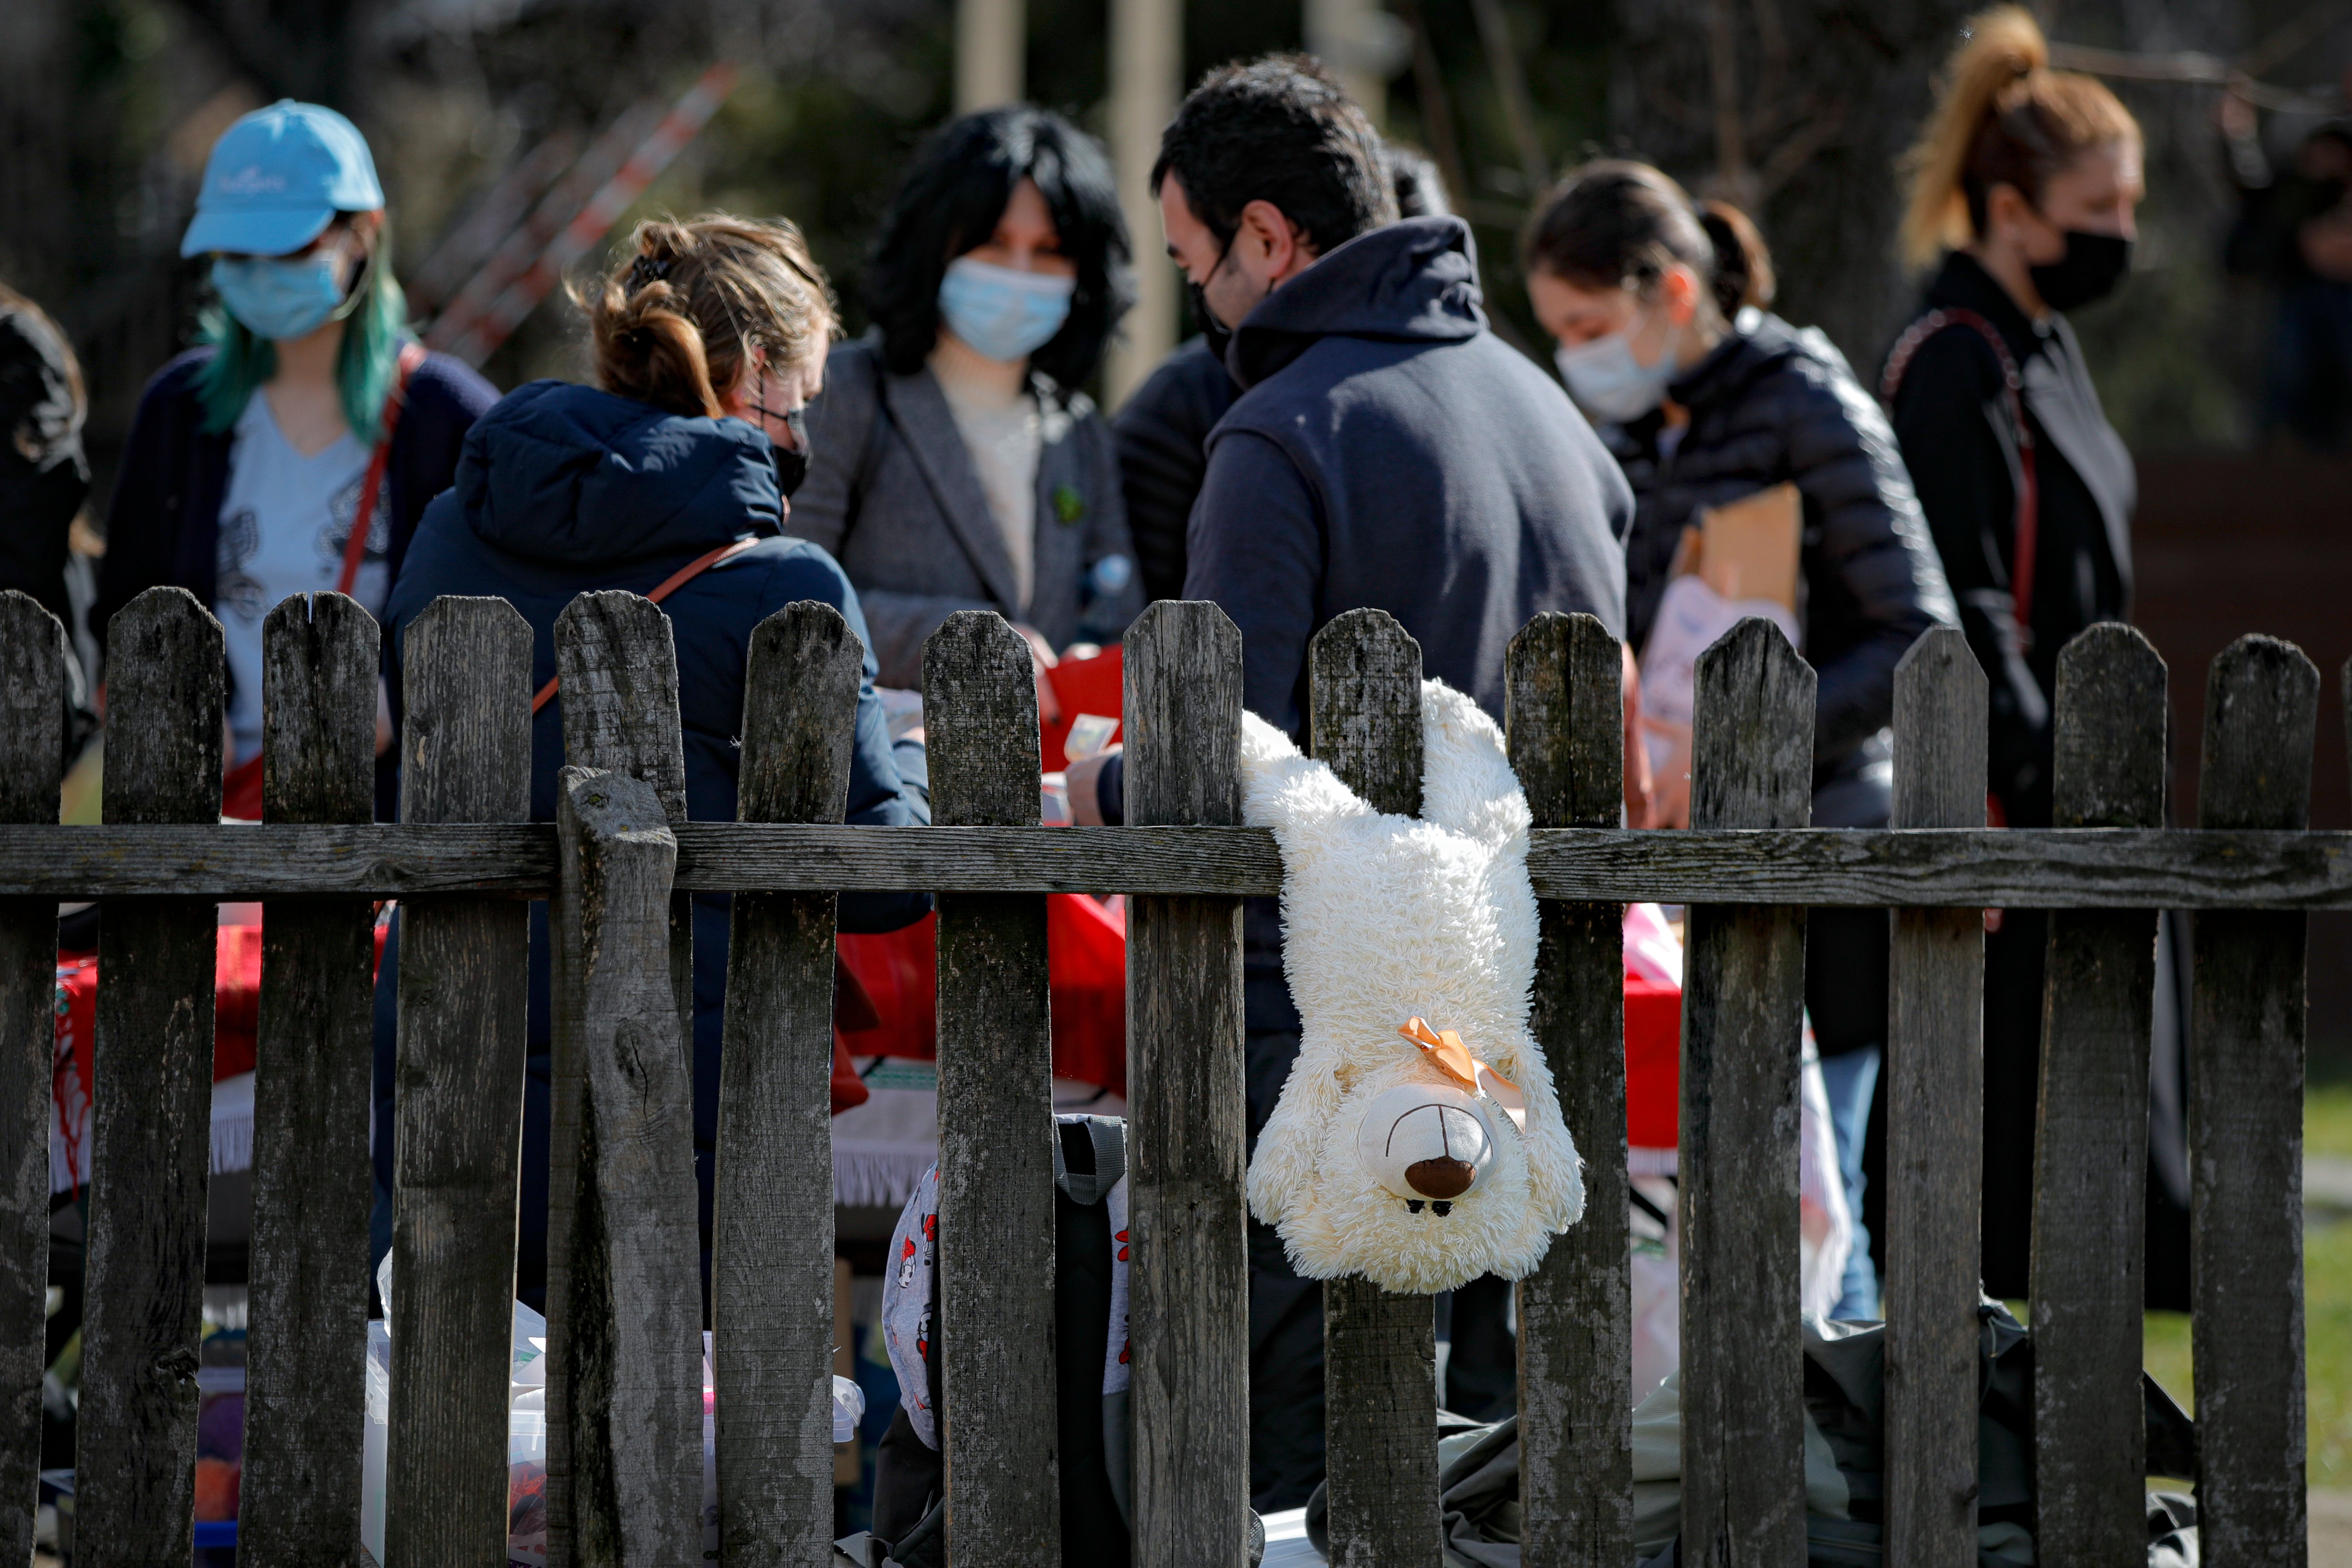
{"points": [[1272, 236], [2010, 216], [1678, 291]]}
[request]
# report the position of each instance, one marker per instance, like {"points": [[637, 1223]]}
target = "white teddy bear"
{"points": [[1418, 1141]]}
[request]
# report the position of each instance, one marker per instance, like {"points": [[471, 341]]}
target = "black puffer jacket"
{"points": [[1772, 404]]}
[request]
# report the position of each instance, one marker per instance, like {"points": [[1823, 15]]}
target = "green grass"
{"points": [[2326, 1307]]}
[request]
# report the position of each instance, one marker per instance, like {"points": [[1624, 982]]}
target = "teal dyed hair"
{"points": [[363, 368]]}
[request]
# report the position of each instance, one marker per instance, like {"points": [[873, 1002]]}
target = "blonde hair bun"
{"points": [[679, 316], [2003, 117]]}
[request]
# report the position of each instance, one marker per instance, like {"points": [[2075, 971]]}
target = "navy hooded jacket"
{"points": [[1389, 451], [563, 490]]}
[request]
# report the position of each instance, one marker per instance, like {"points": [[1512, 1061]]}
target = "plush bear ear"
{"points": [[1467, 781]]}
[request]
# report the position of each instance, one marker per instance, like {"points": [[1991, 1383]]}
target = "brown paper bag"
{"points": [[1749, 549]]}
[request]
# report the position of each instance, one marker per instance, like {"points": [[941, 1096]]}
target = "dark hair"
{"points": [[1278, 130], [1413, 176], [1617, 224], [950, 202], [687, 303]]}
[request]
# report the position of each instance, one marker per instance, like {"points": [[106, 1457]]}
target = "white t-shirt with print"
{"points": [[284, 523]]}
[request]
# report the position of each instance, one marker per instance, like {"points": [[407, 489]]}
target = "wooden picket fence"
{"points": [[624, 1389]]}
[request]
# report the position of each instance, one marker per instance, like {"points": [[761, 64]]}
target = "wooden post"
{"points": [[1743, 1006], [463, 988], [631, 1352], [306, 1361], [1188, 1280], [32, 762], [151, 1125], [2245, 1124], [2090, 1144], [996, 1125], [618, 666], [1380, 1351], [1576, 1473], [772, 1263], [1935, 1132]]}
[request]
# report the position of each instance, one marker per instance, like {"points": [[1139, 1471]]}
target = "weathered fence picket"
{"points": [[306, 1355], [151, 1125], [631, 1353], [623, 1289], [1380, 1350], [32, 760], [1576, 1475], [1935, 1134], [1188, 1278], [2091, 1142], [772, 1237], [1743, 1498], [624, 1441], [995, 1312], [462, 993], [2245, 1125]]}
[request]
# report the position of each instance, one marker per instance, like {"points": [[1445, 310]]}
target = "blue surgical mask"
{"points": [[1607, 383], [281, 297], [1004, 313]]}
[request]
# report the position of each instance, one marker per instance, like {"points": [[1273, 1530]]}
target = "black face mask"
{"points": [[792, 462], [2093, 264], [1214, 332]]}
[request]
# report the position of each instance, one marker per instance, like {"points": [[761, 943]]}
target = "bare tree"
{"points": [[1796, 112]]}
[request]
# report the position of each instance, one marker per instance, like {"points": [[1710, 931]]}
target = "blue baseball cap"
{"points": [[277, 177]]}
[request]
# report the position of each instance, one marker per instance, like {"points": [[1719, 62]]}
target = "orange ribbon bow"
{"points": [[1444, 1047]]}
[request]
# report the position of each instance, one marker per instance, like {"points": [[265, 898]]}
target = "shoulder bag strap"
{"points": [[363, 516], [2029, 496], [663, 590]]}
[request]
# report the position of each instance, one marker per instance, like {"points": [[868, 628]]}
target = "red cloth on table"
{"points": [[1081, 686], [1086, 945], [1653, 1044]]}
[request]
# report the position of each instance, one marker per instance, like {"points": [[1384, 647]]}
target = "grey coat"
{"points": [[893, 494]]}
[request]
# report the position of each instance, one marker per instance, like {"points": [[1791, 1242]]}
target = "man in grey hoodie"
{"points": [[1386, 450]]}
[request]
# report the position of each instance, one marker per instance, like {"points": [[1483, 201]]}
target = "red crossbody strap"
{"points": [[663, 590], [2029, 490], [363, 515]]}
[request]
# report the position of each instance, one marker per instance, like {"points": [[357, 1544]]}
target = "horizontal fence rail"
{"points": [[1920, 868], [623, 1440]]}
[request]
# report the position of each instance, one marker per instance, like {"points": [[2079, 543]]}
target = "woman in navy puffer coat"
{"points": [[565, 489]]}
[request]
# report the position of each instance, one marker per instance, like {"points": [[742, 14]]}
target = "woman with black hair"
{"points": [[954, 465]]}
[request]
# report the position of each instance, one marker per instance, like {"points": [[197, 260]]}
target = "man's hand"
{"points": [[1086, 805]]}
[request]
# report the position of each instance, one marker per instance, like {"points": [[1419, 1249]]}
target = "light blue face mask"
{"points": [[283, 296], [1004, 313], [1607, 383]]}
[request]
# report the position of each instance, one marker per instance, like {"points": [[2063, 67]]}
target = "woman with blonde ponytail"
{"points": [[2023, 187], [670, 479]]}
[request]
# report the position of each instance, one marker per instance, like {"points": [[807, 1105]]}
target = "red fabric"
{"points": [[236, 1010], [241, 790], [1086, 946], [1653, 1044], [1081, 686]]}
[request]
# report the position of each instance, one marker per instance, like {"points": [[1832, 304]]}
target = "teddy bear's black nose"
{"points": [[1440, 1178]]}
